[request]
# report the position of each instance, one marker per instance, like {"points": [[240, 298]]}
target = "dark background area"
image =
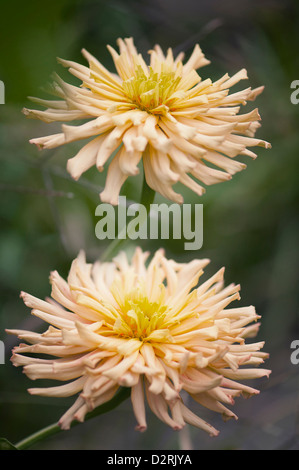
{"points": [[251, 223]]}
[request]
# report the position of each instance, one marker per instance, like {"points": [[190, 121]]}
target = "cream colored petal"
{"points": [[114, 181], [49, 142], [158, 406], [152, 180], [96, 126], [53, 115], [243, 374], [227, 164], [116, 372], [66, 420], [60, 391], [197, 60], [85, 158], [191, 418], [111, 143], [137, 398]]}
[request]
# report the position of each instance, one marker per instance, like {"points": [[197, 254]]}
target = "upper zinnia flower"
{"points": [[144, 326], [163, 114]]}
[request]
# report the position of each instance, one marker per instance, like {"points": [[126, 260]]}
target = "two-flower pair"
{"points": [[147, 326]]}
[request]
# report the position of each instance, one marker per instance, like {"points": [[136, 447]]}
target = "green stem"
{"points": [[48, 431], [147, 195], [147, 198]]}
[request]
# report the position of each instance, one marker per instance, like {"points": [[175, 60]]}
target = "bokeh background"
{"points": [[251, 223]]}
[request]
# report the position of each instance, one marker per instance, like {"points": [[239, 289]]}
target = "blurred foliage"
{"points": [[251, 223]]}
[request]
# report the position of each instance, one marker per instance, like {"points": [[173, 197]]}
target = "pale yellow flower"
{"points": [[164, 114], [146, 326]]}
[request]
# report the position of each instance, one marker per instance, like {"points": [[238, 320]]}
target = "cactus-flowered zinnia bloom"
{"points": [[147, 326], [164, 114]]}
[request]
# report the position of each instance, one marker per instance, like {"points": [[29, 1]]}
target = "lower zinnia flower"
{"points": [[147, 327]]}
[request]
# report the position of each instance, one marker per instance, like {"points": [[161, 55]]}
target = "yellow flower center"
{"points": [[139, 317], [151, 92]]}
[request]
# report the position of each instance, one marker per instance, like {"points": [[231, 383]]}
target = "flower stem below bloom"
{"points": [[48, 431], [147, 198]]}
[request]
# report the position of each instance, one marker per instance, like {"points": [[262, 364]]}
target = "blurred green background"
{"points": [[251, 223]]}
